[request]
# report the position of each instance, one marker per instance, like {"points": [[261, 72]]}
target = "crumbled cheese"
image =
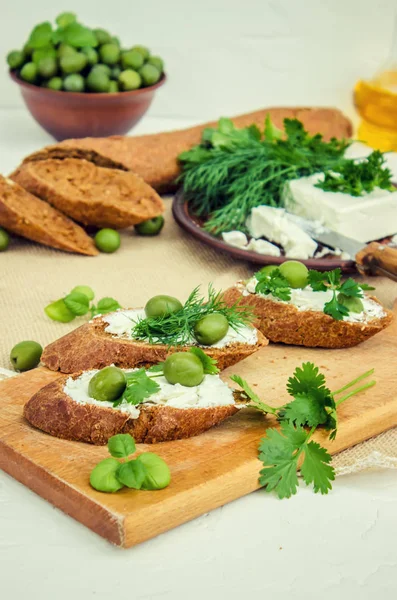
{"points": [[211, 392], [235, 238], [263, 247], [308, 299], [274, 224], [120, 324]]}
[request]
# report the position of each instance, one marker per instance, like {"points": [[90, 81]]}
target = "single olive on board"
{"points": [[26, 355], [107, 240], [4, 240], [151, 226]]}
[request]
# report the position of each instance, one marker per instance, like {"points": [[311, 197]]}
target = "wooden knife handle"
{"points": [[377, 258]]}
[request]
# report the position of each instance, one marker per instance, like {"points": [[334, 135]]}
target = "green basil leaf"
{"points": [[121, 445], [65, 19], [132, 474], [41, 35], [106, 305], [209, 364], [78, 36], [77, 303]]}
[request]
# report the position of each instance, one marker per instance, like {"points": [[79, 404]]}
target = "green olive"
{"points": [[211, 329], [143, 50], [46, 52], [55, 83], [103, 476], [47, 67], [150, 75], [26, 355], [151, 226], [157, 62], [107, 385], [116, 40], [184, 368], [158, 474], [84, 289], [91, 54], [65, 50], [354, 305], [268, 269], [107, 240], [103, 68], [102, 36], [161, 306], [132, 60], [129, 80], [73, 63], [109, 54], [115, 72], [113, 87], [98, 81], [58, 311], [74, 83], [4, 240], [295, 272], [15, 59], [29, 72]]}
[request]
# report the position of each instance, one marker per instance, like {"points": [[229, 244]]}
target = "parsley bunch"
{"points": [[287, 450], [273, 283], [358, 178], [331, 280], [234, 170], [176, 329]]}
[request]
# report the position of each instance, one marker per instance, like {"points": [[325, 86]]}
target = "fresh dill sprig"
{"points": [[234, 170], [176, 329]]}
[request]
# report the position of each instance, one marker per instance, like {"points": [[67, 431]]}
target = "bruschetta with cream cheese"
{"points": [[320, 310]]}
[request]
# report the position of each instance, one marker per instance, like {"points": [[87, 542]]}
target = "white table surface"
{"points": [[339, 546]]}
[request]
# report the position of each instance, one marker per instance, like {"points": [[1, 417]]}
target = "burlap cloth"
{"points": [[173, 263]]}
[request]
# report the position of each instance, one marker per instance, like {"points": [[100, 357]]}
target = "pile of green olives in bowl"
{"points": [[90, 63]]}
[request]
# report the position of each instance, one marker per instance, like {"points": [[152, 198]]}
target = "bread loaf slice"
{"points": [[25, 215], [56, 413], [91, 347], [154, 156], [90, 194], [282, 322]]}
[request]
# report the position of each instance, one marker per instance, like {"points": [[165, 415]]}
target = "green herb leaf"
{"points": [[139, 387], [307, 379], [159, 368], [77, 303], [131, 474], [78, 36], [65, 19], [351, 288], [365, 286], [104, 306], [335, 310], [317, 279], [209, 364], [250, 394], [121, 445], [316, 469], [176, 329], [272, 132], [41, 35], [273, 283]]}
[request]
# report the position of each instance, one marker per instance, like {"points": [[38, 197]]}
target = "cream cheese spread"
{"points": [[121, 322], [307, 299], [211, 392]]}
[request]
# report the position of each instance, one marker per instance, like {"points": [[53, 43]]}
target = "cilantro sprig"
{"points": [[331, 280], [273, 283], [139, 387], [290, 448]]}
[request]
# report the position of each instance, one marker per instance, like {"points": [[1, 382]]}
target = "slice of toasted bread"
{"points": [[56, 413], [90, 194], [25, 215], [282, 322], [91, 347], [155, 157]]}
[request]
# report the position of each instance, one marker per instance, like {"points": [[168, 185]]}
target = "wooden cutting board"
{"points": [[207, 471]]}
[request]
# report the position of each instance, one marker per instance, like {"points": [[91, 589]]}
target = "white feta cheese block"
{"points": [[274, 224], [362, 218], [235, 238], [263, 247]]}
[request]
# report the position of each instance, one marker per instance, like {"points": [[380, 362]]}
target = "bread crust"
{"points": [[154, 157], [284, 323], [90, 194], [90, 347], [54, 412], [25, 215]]}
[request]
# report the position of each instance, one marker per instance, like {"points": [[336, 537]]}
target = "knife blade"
{"points": [[371, 259]]}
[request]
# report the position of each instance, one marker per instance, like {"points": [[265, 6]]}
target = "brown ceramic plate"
{"points": [[192, 225]]}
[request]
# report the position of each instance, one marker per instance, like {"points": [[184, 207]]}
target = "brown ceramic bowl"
{"points": [[75, 115]]}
